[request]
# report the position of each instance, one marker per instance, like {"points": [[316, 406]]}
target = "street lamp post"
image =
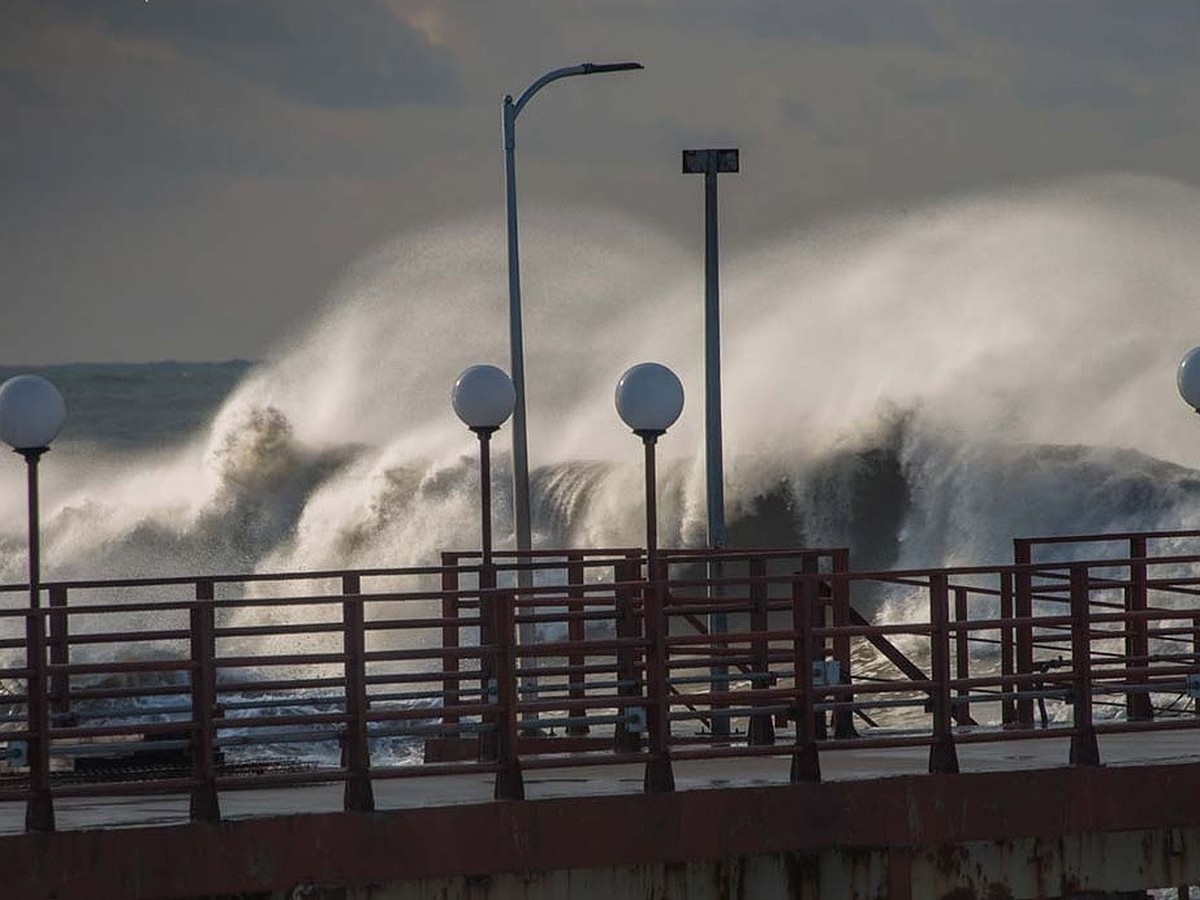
{"points": [[520, 460], [649, 400], [483, 398], [32, 413], [520, 451], [710, 163]]}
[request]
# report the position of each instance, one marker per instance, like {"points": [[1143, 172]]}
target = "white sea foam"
{"points": [[921, 385]]}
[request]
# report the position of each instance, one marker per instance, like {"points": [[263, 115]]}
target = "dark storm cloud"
{"points": [[842, 22], [835, 21], [939, 91], [1144, 36], [16, 86], [350, 54], [1084, 53], [91, 97], [1082, 87], [796, 112], [172, 166]]}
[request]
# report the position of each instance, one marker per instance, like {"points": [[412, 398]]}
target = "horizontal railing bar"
{"points": [[231, 686]]}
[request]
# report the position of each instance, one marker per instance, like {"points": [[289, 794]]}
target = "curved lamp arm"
{"points": [[520, 459], [565, 72]]}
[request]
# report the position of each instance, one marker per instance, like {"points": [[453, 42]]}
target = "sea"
{"points": [[921, 385]]}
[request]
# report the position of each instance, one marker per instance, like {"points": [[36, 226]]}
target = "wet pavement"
{"points": [[1146, 748]]}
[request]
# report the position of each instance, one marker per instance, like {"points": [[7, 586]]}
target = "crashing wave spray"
{"points": [[920, 386]]}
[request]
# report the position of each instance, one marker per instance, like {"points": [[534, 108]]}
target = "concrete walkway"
{"points": [[73, 813]]}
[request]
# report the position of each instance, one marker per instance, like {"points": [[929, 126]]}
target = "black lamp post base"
{"points": [[806, 765], [510, 783], [660, 776], [39, 813]]}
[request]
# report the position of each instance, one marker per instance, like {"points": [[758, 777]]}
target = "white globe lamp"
{"points": [[32, 412], [484, 397], [649, 398], [1187, 378]]}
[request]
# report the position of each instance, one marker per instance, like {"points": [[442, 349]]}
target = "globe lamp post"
{"points": [[649, 400], [483, 398], [32, 413]]}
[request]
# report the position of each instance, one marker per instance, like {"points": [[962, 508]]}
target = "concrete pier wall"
{"points": [[981, 871], [1114, 865], [1035, 834]]}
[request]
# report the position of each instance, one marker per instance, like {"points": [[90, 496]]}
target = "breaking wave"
{"points": [[921, 387]]}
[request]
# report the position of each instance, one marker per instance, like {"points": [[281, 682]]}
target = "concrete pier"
{"points": [[734, 829]]}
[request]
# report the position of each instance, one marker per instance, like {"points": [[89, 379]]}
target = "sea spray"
{"points": [[908, 384], [920, 387]]}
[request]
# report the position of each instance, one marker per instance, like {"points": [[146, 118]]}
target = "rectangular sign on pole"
{"points": [[696, 162]]}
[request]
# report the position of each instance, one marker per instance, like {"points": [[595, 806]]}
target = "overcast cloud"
{"points": [[186, 178]]}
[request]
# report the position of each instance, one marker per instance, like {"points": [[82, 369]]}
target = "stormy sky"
{"points": [[184, 179]]}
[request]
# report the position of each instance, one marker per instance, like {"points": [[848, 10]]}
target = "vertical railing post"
{"points": [[1196, 657], [1008, 711], [510, 784], [576, 634], [451, 638], [843, 718], [762, 724], [1023, 609], [962, 649], [659, 776], [204, 806], [60, 697], [1084, 749], [806, 762], [810, 564], [358, 795], [1137, 640], [627, 739], [943, 757]]}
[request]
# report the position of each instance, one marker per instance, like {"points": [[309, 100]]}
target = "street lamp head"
{"points": [[1187, 378], [589, 68], [483, 398], [32, 412], [649, 399]]}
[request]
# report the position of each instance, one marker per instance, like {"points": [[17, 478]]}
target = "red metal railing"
{"points": [[394, 673], [1135, 546]]}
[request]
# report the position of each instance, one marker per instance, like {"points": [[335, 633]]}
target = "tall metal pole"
{"points": [[39, 812], [526, 633], [520, 454], [711, 163], [714, 455], [516, 345]]}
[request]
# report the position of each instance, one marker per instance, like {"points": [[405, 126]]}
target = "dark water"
{"points": [[130, 406]]}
